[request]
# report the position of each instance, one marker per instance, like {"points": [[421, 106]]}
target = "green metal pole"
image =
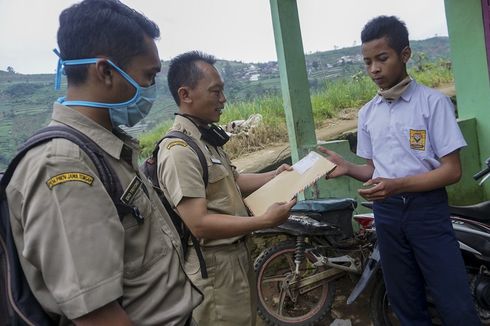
{"points": [[294, 80]]}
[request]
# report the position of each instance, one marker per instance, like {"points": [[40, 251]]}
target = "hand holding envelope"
{"points": [[288, 183]]}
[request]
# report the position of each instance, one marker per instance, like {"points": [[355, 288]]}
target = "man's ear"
{"points": [[406, 54], [104, 72], [184, 94]]}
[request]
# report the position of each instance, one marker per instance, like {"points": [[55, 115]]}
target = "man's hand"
{"points": [[277, 213], [379, 188], [283, 167]]}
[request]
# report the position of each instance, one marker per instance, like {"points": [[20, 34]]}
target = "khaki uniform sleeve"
{"points": [[179, 171], [70, 232]]}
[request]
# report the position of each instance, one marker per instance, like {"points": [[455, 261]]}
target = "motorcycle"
{"points": [[296, 276], [471, 225]]}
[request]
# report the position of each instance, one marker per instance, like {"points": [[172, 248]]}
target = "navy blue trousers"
{"points": [[418, 249]]}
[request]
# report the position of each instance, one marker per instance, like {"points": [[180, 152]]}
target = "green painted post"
{"points": [[471, 71], [294, 80]]}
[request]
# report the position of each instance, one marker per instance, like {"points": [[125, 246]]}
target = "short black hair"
{"points": [[109, 28], [183, 71], [386, 26]]}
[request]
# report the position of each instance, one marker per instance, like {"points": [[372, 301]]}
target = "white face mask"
{"points": [[126, 113]]}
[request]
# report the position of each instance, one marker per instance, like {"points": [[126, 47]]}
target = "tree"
{"points": [[10, 70]]}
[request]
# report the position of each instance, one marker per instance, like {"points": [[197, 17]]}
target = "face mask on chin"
{"points": [[126, 113]]}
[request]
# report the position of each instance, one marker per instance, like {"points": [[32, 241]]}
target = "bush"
{"points": [[22, 89]]}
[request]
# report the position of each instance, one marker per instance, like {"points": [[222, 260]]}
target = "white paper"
{"points": [[306, 163]]}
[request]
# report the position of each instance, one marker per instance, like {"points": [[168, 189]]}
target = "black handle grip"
{"points": [[481, 173]]}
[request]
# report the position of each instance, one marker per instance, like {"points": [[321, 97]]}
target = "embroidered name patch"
{"points": [[69, 176], [176, 143], [417, 139], [130, 192]]}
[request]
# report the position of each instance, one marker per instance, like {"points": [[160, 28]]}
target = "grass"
{"points": [[148, 140], [336, 95]]}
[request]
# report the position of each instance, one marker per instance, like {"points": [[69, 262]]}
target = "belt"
{"points": [[235, 243]]}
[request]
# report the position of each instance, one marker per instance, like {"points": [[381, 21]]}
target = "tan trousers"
{"points": [[229, 291]]}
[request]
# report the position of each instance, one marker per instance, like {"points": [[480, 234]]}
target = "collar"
{"points": [[111, 142], [186, 126], [405, 96]]}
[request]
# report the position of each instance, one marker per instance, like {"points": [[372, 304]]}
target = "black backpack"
{"points": [[18, 306], [149, 168]]}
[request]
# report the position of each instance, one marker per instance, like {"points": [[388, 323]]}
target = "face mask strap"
{"points": [[57, 77], [75, 62]]}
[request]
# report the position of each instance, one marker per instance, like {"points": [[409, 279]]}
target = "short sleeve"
{"points": [[445, 135], [69, 231], [179, 171], [364, 146]]}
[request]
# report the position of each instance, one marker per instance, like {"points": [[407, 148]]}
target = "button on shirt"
{"points": [[77, 254], [408, 136]]}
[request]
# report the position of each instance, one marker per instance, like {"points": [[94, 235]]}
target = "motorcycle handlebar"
{"points": [[482, 173]]}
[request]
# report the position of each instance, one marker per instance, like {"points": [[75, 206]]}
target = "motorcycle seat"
{"points": [[321, 206], [479, 212], [304, 225]]}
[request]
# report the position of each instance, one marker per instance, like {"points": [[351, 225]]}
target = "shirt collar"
{"points": [[183, 124], [107, 140], [406, 96]]}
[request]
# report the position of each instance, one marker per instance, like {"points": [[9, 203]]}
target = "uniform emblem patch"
{"points": [[177, 142], [417, 139], [68, 177]]}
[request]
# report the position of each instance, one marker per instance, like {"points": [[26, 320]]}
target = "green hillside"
{"points": [[26, 100]]}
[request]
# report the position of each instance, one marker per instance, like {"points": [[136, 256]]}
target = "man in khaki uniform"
{"points": [[214, 213], [82, 262]]}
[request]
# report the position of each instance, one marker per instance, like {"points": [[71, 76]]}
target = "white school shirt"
{"points": [[408, 136]]}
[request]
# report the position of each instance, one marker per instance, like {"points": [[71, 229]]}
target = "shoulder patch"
{"points": [[68, 177], [177, 142]]}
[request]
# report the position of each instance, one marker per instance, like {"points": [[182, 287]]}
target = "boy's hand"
{"points": [[378, 188], [342, 165]]}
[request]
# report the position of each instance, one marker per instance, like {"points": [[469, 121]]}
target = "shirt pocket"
{"points": [[216, 172], [145, 243], [416, 140], [216, 190]]}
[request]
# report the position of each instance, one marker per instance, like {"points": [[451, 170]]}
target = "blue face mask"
{"points": [[126, 113]]}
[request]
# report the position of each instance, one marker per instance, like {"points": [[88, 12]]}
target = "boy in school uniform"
{"points": [[410, 139]]}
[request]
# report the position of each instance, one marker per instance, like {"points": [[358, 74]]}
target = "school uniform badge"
{"points": [[417, 139]]}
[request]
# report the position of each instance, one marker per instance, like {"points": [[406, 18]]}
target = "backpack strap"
{"points": [[150, 170], [205, 176]]}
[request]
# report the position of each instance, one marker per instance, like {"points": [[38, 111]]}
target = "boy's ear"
{"points": [[184, 94], [406, 54]]}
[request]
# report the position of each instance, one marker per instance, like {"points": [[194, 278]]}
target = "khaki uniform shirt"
{"points": [[76, 253], [180, 175]]}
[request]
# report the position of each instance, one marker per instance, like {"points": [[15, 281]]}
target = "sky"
{"points": [[229, 29]]}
